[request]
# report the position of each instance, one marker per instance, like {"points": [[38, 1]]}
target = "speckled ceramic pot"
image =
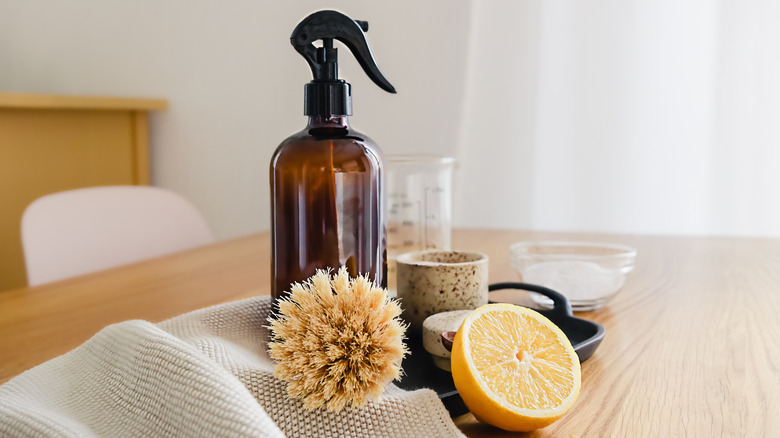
{"points": [[436, 281]]}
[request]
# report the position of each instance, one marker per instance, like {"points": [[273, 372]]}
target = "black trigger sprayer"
{"points": [[327, 197]]}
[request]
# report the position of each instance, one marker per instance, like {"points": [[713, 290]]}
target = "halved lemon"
{"points": [[514, 368]]}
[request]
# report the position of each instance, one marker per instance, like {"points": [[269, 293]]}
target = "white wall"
{"points": [[234, 82], [650, 117]]}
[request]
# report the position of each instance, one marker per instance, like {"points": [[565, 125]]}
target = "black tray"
{"points": [[420, 371]]}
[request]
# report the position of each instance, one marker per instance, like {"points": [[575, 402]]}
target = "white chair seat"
{"points": [[85, 230]]}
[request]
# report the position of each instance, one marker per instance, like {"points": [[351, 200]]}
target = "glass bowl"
{"points": [[588, 274]]}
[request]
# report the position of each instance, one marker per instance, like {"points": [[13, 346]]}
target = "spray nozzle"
{"points": [[327, 94]]}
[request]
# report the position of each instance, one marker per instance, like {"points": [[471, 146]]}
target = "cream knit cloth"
{"points": [[204, 373]]}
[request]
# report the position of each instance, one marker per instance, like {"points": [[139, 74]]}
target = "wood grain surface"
{"points": [[692, 345]]}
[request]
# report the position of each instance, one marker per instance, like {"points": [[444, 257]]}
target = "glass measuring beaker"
{"points": [[419, 206]]}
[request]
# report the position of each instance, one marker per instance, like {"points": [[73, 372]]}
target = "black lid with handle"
{"points": [[326, 94]]}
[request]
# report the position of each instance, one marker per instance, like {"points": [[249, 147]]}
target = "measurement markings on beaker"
{"points": [[421, 224], [434, 192], [418, 218]]}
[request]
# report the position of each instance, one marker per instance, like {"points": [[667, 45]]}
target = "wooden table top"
{"points": [[692, 344]]}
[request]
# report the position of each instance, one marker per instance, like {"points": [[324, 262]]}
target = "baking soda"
{"points": [[576, 280]]}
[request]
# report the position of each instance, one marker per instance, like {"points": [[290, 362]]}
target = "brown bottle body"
{"points": [[327, 205]]}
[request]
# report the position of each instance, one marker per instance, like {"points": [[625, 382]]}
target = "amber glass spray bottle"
{"points": [[327, 195]]}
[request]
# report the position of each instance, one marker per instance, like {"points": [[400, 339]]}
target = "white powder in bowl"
{"points": [[576, 280]]}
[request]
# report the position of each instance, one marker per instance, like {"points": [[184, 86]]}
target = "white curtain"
{"points": [[614, 116]]}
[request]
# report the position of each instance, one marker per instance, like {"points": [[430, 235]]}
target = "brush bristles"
{"points": [[337, 341]]}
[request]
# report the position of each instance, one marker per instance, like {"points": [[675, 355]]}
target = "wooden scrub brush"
{"points": [[337, 341]]}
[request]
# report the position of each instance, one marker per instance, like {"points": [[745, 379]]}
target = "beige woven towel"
{"points": [[204, 373]]}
